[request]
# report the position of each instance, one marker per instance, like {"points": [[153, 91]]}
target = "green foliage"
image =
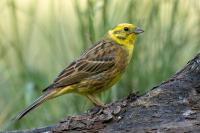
{"points": [[39, 38]]}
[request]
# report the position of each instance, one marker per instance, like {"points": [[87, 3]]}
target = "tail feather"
{"points": [[35, 104]]}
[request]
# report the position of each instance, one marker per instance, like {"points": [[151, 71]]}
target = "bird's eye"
{"points": [[126, 29]]}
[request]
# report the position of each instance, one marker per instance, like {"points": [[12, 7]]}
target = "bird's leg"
{"points": [[95, 100]]}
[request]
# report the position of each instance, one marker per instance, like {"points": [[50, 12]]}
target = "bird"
{"points": [[96, 70]]}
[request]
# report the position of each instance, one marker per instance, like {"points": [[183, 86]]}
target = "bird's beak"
{"points": [[138, 30]]}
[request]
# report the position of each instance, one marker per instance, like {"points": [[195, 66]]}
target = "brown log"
{"points": [[173, 106]]}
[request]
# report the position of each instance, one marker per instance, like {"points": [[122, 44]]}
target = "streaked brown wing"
{"points": [[90, 64]]}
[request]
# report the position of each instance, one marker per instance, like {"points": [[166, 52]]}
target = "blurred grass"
{"points": [[39, 38]]}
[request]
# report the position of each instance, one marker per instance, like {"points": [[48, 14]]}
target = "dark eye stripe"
{"points": [[117, 31], [121, 37]]}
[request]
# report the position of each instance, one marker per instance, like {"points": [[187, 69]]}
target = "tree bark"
{"points": [[172, 106]]}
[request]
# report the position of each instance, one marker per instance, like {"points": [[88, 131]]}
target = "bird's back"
{"points": [[107, 52]]}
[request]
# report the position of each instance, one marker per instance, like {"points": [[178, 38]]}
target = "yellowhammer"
{"points": [[99, 68]]}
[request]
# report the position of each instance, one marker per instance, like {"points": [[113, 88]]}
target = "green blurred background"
{"points": [[38, 38]]}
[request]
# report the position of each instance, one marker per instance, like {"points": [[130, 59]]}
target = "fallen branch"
{"points": [[172, 106]]}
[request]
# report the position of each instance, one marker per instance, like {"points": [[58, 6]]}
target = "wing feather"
{"points": [[94, 62]]}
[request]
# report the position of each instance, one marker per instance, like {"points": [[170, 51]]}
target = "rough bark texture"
{"points": [[172, 106]]}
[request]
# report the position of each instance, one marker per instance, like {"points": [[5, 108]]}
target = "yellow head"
{"points": [[124, 34]]}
